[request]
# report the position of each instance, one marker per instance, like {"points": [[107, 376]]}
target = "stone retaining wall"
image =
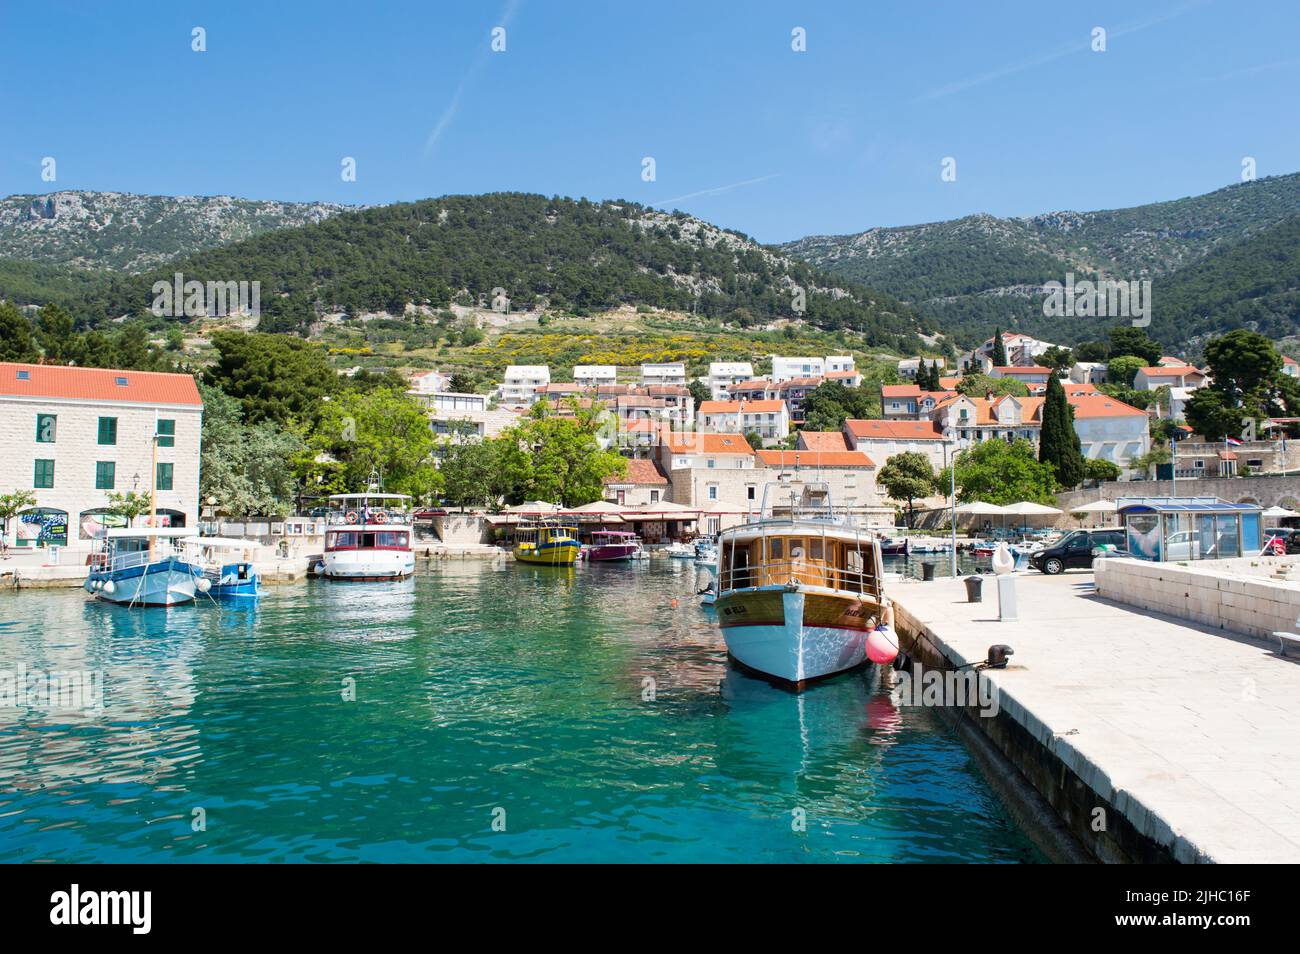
{"points": [[1253, 596]]}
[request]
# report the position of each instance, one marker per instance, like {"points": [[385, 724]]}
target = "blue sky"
{"points": [[744, 131]]}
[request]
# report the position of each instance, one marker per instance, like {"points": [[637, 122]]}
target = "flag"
{"points": [[1233, 441]]}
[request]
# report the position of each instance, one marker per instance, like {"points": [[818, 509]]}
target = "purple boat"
{"points": [[611, 546]]}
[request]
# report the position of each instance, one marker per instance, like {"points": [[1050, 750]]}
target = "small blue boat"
{"points": [[225, 565]]}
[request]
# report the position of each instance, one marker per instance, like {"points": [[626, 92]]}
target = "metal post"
{"points": [[952, 488]]}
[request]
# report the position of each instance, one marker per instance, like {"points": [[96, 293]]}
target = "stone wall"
{"points": [[1265, 491], [1252, 596]]}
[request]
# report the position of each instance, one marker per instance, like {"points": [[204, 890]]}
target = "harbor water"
{"points": [[482, 711]]}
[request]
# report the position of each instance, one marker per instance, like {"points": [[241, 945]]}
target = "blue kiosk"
{"points": [[1176, 529]]}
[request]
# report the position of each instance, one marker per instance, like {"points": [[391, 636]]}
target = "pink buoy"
{"points": [[882, 647]]}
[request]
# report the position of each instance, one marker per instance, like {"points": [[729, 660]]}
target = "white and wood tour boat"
{"points": [[799, 591], [368, 536]]}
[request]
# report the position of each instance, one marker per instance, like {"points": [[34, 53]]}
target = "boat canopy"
{"points": [[225, 543], [373, 495], [117, 533]]}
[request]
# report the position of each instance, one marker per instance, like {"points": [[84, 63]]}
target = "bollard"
{"points": [[927, 571]]}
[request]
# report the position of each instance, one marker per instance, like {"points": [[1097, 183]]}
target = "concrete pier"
{"points": [[1152, 738]]}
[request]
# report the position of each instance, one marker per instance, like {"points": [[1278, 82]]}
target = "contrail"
{"points": [[1060, 53], [448, 114], [718, 189]]}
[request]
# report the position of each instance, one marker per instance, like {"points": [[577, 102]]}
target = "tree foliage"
{"points": [[907, 477], [1058, 443], [1002, 472], [245, 469]]}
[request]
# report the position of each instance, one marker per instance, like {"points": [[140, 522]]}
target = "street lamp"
{"points": [[952, 489]]}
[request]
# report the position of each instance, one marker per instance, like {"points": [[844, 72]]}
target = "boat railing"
{"points": [[739, 576], [354, 516], [116, 562]]}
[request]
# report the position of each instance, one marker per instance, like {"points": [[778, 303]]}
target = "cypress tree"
{"points": [[999, 349], [1058, 443]]}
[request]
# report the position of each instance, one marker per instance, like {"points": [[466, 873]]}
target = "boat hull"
{"points": [[168, 582], [235, 581], [796, 634], [549, 554], [368, 565], [611, 553]]}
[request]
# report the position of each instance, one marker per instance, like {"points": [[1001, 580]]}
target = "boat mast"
{"points": [[153, 485]]}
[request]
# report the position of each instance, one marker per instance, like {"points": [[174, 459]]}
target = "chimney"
{"points": [[988, 396]]}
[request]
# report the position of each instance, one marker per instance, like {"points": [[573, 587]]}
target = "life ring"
{"points": [[381, 517], [351, 516]]}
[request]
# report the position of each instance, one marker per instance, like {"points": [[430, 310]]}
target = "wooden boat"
{"points": [[143, 566], [368, 536], [612, 546], [546, 543], [225, 565], [799, 590]]}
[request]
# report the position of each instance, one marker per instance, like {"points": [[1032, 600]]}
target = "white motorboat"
{"points": [[680, 551], [368, 536]]}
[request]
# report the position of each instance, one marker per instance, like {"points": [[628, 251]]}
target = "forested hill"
{"points": [[972, 274], [574, 255], [90, 230], [1253, 284]]}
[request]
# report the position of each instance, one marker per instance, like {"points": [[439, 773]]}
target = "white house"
{"points": [[73, 435], [465, 416], [1175, 376], [1088, 372], [723, 374], [427, 382], [594, 375], [908, 367], [770, 420], [785, 368], [670, 373], [522, 381]]}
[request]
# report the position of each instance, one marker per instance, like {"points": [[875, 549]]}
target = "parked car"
{"points": [[428, 513], [1075, 550], [1288, 535]]}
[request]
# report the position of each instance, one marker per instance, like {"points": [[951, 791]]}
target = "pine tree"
{"points": [[999, 349], [1058, 443]]}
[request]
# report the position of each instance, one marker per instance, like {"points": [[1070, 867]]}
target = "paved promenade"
{"points": [[1191, 734]]}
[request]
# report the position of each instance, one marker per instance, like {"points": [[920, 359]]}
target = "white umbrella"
{"points": [[980, 508], [1279, 513], [1097, 506], [1026, 508]]}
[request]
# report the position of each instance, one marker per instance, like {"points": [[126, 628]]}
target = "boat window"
{"points": [[392, 538], [776, 548], [796, 548], [815, 551]]}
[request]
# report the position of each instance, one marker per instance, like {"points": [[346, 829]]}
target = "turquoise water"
{"points": [[483, 692]]}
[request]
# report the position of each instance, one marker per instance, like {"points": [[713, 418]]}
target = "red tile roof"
{"points": [[893, 430], [812, 459], [1101, 405], [97, 384], [640, 472], [823, 440], [733, 407], [1022, 369], [693, 442]]}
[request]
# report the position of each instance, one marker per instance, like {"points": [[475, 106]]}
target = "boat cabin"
{"points": [[767, 554]]}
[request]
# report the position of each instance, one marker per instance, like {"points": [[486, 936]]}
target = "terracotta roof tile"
{"points": [[811, 459], [97, 384]]}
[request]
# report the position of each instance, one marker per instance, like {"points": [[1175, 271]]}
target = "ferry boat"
{"points": [[546, 543], [612, 546], [799, 590], [144, 566], [225, 565], [368, 537]]}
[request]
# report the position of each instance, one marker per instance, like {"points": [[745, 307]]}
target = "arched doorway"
{"points": [[42, 527], [91, 524], [169, 518]]}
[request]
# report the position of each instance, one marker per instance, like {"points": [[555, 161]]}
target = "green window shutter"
{"points": [[43, 479], [105, 474], [166, 433], [108, 430], [46, 428], [164, 476]]}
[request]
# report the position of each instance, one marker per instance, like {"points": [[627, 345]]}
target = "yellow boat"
{"points": [[548, 544]]}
